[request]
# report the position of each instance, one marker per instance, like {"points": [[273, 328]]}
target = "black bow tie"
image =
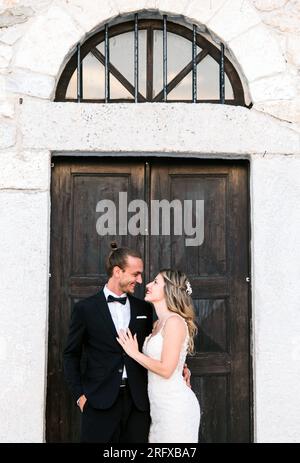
{"points": [[122, 300]]}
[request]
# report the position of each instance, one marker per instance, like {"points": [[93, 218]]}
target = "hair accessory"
{"points": [[188, 287]]}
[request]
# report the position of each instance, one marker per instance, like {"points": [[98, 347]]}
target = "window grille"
{"points": [[150, 60]]}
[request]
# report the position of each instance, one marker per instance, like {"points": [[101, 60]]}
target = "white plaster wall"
{"points": [[262, 39], [275, 220], [207, 128], [24, 252]]}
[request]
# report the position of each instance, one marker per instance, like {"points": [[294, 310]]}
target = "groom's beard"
{"points": [[128, 287]]}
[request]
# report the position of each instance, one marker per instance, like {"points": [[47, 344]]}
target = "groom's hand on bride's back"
{"points": [[187, 375], [81, 402]]}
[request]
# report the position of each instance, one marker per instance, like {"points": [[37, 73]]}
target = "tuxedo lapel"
{"points": [[106, 315], [133, 313]]}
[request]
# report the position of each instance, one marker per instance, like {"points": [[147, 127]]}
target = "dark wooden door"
{"points": [[217, 269]]}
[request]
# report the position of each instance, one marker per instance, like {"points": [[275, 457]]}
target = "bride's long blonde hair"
{"points": [[179, 301]]}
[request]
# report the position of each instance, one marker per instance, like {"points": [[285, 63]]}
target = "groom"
{"points": [[112, 391]]}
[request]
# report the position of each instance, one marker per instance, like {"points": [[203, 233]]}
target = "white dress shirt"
{"points": [[120, 314]]}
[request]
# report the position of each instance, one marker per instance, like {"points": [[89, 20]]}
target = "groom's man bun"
{"points": [[118, 257], [113, 245]]}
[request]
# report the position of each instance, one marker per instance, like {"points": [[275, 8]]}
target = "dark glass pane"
{"points": [[72, 87], [117, 90], [179, 54], [183, 91], [208, 81], [211, 321], [92, 78], [121, 49]]}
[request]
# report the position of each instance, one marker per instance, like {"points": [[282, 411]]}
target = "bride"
{"points": [[174, 408]]}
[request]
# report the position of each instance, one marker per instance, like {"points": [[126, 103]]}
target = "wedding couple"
{"points": [[130, 360]]}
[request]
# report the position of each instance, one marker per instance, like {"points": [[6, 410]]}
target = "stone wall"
{"points": [[278, 95], [282, 17], [37, 38]]}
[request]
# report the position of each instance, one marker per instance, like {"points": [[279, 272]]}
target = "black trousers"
{"points": [[123, 422]]}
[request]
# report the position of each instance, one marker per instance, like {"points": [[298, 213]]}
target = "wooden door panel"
{"points": [[90, 184], [212, 391], [210, 257]]}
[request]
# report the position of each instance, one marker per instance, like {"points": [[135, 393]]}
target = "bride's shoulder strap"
{"points": [[172, 316]]}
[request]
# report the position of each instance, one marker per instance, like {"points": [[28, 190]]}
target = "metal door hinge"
{"points": [[247, 279]]}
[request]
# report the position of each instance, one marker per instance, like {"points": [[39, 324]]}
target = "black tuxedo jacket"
{"points": [[92, 330]]}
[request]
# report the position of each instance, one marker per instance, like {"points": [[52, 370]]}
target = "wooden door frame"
{"points": [[146, 156]]}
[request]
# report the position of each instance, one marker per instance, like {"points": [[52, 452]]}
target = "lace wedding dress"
{"points": [[174, 408]]}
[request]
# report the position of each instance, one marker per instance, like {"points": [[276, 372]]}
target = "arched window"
{"points": [[150, 60]]}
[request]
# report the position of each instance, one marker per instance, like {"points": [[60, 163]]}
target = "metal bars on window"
{"points": [[136, 58], [79, 76], [165, 58], [106, 54], [167, 87], [194, 54], [222, 76]]}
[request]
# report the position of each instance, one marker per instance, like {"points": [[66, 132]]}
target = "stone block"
{"points": [[257, 53], [15, 15], [123, 6], [293, 48], [279, 87], [285, 110], [8, 134], [269, 5], [30, 83], [173, 7], [90, 15], [285, 18], [55, 27], [232, 19], [2, 87], [5, 55], [25, 170], [9, 35], [7, 109], [202, 11]]}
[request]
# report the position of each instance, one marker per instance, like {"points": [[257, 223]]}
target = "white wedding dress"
{"points": [[174, 408]]}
